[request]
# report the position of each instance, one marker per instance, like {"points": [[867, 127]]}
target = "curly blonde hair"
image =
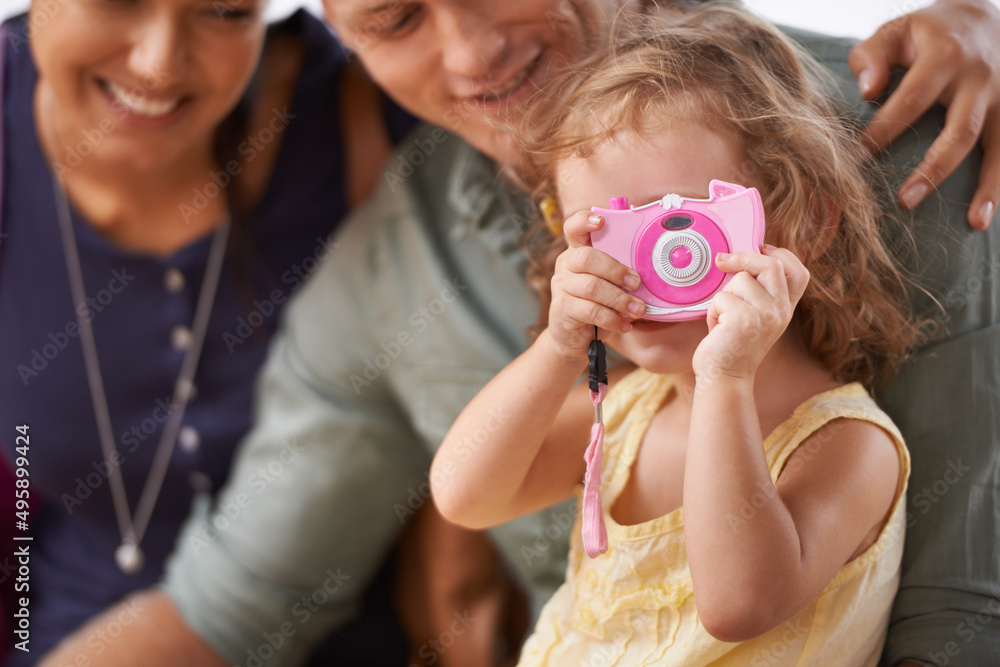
{"points": [[741, 77]]}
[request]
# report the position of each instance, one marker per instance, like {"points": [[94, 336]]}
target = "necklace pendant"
{"points": [[129, 557]]}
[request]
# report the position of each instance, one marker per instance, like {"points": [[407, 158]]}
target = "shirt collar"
{"points": [[496, 211], [472, 186]]}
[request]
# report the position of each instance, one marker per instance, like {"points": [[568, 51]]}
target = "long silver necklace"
{"points": [[129, 556]]}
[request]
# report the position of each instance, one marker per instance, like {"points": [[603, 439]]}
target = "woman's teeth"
{"points": [[511, 86], [142, 106]]}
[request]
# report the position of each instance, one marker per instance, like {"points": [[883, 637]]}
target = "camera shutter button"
{"points": [[681, 257]]}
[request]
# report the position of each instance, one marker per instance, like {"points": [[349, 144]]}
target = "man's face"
{"points": [[473, 66]]}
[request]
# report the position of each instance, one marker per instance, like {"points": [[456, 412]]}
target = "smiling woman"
{"points": [[191, 159], [156, 79]]}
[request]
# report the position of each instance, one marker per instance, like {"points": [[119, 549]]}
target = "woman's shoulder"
{"points": [[320, 66], [320, 48], [303, 61], [15, 33], [15, 54], [292, 146], [299, 74]]}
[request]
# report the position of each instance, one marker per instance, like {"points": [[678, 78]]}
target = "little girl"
{"points": [[752, 491]]}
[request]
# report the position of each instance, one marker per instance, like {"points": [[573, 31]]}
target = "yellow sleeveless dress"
{"points": [[634, 605]]}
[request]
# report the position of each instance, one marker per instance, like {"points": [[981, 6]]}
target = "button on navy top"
{"points": [[142, 307]]}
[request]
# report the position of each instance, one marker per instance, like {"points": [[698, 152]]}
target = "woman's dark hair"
{"points": [[248, 270]]}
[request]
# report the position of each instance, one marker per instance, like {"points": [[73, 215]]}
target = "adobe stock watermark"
{"points": [[958, 297], [900, 10], [303, 610], [967, 630], [362, 36], [795, 629], [928, 496], [607, 653], [41, 356], [225, 8], [565, 16], [420, 320], [746, 344], [248, 150], [419, 495], [227, 513], [407, 162], [90, 139], [433, 650], [43, 11], [101, 638], [265, 308], [130, 440], [766, 491], [555, 532]]}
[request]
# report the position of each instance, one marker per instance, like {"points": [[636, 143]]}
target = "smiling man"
{"points": [[473, 68], [445, 217]]}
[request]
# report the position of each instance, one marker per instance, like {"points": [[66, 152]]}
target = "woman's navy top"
{"points": [[141, 307]]}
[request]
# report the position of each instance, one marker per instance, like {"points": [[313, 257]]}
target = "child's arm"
{"points": [[758, 553], [518, 446]]}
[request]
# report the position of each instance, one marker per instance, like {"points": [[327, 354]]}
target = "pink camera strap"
{"points": [[595, 535]]}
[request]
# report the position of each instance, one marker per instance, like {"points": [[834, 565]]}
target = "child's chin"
{"points": [[661, 347], [662, 360], [662, 366]]}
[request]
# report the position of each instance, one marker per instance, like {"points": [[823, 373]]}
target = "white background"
{"points": [[853, 18], [857, 18]]}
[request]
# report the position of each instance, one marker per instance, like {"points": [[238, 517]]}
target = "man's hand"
{"points": [[146, 629], [453, 582], [952, 56]]}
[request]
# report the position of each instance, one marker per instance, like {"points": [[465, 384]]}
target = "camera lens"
{"points": [[681, 259]]}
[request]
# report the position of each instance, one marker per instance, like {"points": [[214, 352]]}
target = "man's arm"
{"points": [[155, 628], [308, 512], [944, 403]]}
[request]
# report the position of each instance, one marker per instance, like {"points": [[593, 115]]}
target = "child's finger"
{"points": [[574, 311], [577, 228], [780, 272], [728, 306], [796, 274], [751, 262], [712, 316], [767, 271], [593, 289], [600, 264], [750, 290]]}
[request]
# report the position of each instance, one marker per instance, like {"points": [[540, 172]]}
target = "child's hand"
{"points": [[751, 312], [589, 288]]}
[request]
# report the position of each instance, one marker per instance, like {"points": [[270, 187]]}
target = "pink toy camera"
{"points": [[672, 245]]}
